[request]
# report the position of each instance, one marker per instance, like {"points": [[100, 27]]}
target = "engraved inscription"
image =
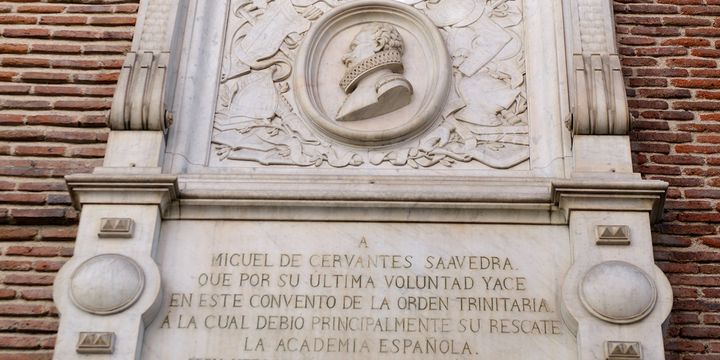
{"points": [[355, 296]]}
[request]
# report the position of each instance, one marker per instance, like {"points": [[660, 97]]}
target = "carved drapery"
{"points": [[599, 102], [143, 99]]}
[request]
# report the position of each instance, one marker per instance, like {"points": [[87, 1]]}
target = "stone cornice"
{"points": [[111, 189], [610, 195], [370, 198]]}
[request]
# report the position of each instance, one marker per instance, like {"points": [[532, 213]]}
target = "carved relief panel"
{"points": [[373, 84]]}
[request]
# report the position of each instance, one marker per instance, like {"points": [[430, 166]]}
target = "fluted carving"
{"points": [[599, 101], [145, 91]]}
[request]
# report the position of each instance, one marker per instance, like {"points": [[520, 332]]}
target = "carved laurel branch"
{"points": [[285, 143]]}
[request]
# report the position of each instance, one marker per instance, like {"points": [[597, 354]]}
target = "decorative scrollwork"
{"points": [[484, 121]]}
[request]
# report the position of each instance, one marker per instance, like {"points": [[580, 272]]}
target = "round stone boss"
{"points": [[324, 64], [106, 284], [618, 292]]}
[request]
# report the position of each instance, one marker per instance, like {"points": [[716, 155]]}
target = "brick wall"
{"points": [[59, 61], [670, 52]]}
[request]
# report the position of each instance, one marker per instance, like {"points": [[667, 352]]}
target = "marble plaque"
{"points": [[291, 290], [373, 84]]}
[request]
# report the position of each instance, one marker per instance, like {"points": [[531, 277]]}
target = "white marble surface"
{"points": [[537, 258], [129, 324], [548, 145], [319, 69]]}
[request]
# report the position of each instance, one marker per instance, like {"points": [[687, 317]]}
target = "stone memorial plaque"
{"points": [[366, 179], [291, 290]]}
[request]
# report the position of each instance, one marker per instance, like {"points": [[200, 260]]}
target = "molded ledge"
{"points": [[362, 198], [611, 195], [140, 189]]}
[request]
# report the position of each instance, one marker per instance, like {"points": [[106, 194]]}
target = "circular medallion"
{"points": [[618, 292], [106, 284], [372, 72]]}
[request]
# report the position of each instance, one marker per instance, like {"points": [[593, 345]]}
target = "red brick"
{"points": [[697, 83], [44, 9], [112, 20], [28, 279], [56, 48], [25, 342], [17, 233], [56, 120], [684, 345], [15, 265], [25, 104], [26, 33], [711, 241], [105, 49], [14, 48], [22, 309], [45, 77], [39, 150], [35, 294], [58, 234], [11, 119], [57, 90], [47, 266], [678, 159], [42, 186], [708, 332], [100, 78], [7, 294], [63, 20], [40, 251], [688, 229], [671, 137], [38, 215], [90, 9], [684, 318], [32, 325], [703, 193], [82, 105], [668, 267], [709, 269], [72, 136], [694, 280], [687, 63], [7, 75], [17, 19], [88, 152], [697, 149], [14, 89], [699, 217], [22, 198], [126, 8]]}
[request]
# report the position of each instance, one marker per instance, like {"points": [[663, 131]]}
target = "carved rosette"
{"points": [[279, 93]]}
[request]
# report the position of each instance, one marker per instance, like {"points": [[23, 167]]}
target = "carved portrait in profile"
{"points": [[373, 79]]}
